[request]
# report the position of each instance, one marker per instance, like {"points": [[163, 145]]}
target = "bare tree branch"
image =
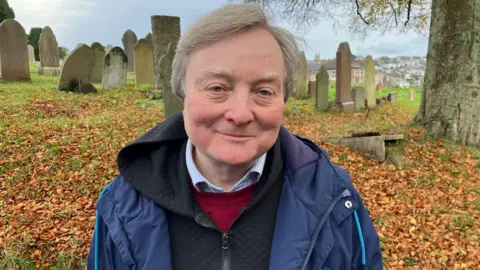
{"points": [[360, 14], [409, 9], [394, 13]]}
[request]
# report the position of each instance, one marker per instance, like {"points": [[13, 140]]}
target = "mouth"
{"points": [[233, 136]]}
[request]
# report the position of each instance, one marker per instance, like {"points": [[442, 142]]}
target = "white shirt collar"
{"points": [[203, 184]]}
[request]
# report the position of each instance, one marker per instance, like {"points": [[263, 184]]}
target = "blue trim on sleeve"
{"points": [[97, 217], [360, 235]]}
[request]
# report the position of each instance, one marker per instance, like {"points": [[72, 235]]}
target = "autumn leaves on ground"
{"points": [[58, 150]]}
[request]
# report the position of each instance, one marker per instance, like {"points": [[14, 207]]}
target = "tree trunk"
{"points": [[450, 105]]}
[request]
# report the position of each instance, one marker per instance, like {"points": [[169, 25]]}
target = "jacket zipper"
{"points": [[323, 220], [224, 240]]}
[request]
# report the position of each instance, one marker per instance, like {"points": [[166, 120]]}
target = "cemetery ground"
{"points": [[58, 150]]}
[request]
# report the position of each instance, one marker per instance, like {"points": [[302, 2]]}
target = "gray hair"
{"points": [[222, 23]]}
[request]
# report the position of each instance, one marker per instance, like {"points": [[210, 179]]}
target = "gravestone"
{"points": [[129, 40], [99, 54], [379, 87], [115, 69], [31, 53], [301, 78], [370, 82], [359, 96], [77, 68], [144, 62], [392, 97], [165, 31], [312, 89], [48, 47], [149, 38], [322, 85], [344, 78], [49, 71], [411, 95], [171, 102], [108, 48], [13, 51]]}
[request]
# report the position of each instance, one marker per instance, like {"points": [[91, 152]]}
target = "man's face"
{"points": [[234, 97]]}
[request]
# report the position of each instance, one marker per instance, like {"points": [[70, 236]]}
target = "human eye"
{"points": [[216, 89], [264, 92]]}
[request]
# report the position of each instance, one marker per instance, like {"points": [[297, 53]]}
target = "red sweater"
{"points": [[224, 208]]}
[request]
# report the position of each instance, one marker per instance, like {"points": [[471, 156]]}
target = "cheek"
{"points": [[272, 117]]}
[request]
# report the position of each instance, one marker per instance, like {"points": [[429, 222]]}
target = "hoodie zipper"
{"points": [[344, 194], [224, 239]]}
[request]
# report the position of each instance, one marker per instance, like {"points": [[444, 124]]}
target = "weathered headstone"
{"points": [[115, 69], [380, 101], [392, 97], [108, 48], [165, 30], [13, 51], [144, 62], [322, 89], [129, 40], [301, 78], [165, 34], [49, 71], [48, 47], [379, 87], [344, 78], [77, 68], [171, 102], [31, 53], [99, 54], [411, 95], [312, 88], [370, 81], [149, 38], [358, 95]]}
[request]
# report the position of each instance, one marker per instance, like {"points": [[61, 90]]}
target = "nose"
{"points": [[240, 108]]}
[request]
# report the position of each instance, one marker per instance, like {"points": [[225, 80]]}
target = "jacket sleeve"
{"points": [[369, 240], [108, 254]]}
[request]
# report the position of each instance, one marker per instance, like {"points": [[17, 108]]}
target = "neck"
{"points": [[220, 174]]}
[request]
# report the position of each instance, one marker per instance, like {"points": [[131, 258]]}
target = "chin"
{"points": [[234, 158]]}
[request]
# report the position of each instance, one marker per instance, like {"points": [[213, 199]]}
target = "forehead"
{"points": [[246, 53]]}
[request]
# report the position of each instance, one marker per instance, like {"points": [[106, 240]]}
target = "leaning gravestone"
{"points": [[99, 54], [144, 62], [77, 68], [115, 69], [13, 51], [370, 82], [129, 40], [358, 95], [31, 53], [322, 89], [301, 87], [48, 47], [344, 78], [165, 31]]}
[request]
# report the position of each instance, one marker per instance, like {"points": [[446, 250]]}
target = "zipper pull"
{"points": [[225, 240]]}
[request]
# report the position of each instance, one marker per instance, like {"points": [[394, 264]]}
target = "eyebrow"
{"points": [[228, 76]]}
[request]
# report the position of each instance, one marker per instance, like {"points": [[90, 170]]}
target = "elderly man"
{"points": [[223, 185]]}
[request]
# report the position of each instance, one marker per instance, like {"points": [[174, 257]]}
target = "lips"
{"points": [[235, 135]]}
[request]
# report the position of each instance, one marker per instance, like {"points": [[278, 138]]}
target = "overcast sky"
{"points": [[105, 21]]}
